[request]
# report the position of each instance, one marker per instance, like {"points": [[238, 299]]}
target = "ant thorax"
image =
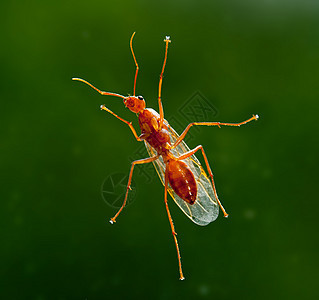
{"points": [[157, 137]]}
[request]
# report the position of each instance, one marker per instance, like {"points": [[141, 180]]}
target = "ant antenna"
{"points": [[101, 92], [131, 46]]}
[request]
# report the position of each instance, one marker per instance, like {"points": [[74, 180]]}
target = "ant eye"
{"points": [[140, 97]]}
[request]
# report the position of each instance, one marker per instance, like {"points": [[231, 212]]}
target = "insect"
{"points": [[179, 170]]}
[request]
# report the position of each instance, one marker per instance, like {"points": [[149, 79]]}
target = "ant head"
{"points": [[135, 104]]}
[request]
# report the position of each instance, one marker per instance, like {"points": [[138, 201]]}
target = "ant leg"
{"points": [[108, 110], [127, 122], [181, 137], [161, 111], [181, 276], [190, 153], [136, 162], [137, 68]]}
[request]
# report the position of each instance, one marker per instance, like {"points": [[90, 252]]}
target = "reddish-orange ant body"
{"points": [[177, 166]]}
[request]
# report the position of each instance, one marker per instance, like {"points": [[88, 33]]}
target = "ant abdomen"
{"points": [[182, 180]]}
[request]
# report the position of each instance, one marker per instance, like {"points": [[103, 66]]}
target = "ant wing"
{"points": [[205, 209]]}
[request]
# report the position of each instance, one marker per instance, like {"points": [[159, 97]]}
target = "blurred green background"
{"points": [[57, 149]]}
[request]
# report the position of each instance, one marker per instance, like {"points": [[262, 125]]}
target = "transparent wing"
{"points": [[205, 209]]}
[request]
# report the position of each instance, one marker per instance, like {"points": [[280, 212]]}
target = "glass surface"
{"points": [[227, 61]]}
